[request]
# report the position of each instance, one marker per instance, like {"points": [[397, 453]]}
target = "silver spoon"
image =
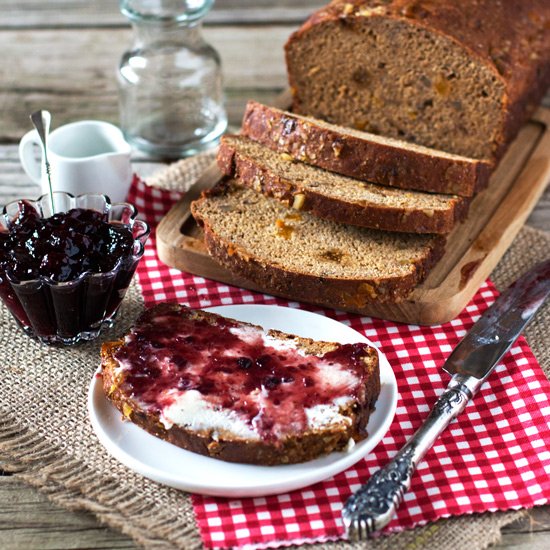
{"points": [[41, 121]]}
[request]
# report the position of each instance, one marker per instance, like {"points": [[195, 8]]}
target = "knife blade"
{"points": [[374, 504], [498, 328]]}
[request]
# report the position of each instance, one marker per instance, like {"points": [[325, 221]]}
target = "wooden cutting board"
{"points": [[473, 248]]}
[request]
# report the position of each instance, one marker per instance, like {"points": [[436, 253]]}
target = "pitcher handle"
{"points": [[31, 165]]}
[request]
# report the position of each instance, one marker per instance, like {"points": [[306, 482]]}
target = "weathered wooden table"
{"points": [[62, 55]]}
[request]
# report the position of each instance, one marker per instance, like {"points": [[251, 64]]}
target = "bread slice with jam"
{"points": [[232, 391]]}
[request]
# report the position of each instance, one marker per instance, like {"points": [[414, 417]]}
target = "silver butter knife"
{"points": [[374, 504]]}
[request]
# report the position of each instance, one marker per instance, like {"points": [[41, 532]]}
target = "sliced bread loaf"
{"points": [[232, 391], [334, 197], [457, 76], [364, 156], [306, 258]]}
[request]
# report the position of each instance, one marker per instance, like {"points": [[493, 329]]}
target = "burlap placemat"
{"points": [[46, 438]]}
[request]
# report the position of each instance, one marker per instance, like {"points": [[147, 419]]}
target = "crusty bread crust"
{"points": [[393, 163], [251, 173], [308, 446]]}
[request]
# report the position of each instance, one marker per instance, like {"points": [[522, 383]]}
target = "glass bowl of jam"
{"points": [[65, 267]]}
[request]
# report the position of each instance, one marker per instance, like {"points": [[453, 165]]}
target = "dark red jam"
{"points": [[168, 351], [63, 246], [39, 255]]}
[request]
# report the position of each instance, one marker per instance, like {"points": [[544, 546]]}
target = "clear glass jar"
{"points": [[170, 82]]}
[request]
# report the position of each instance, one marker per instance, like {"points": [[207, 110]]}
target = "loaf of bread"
{"points": [[460, 76], [297, 255], [232, 391], [364, 156], [334, 197]]}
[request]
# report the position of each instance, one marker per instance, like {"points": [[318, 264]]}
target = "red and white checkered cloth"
{"points": [[494, 457]]}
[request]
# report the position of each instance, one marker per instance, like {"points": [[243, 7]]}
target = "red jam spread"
{"points": [[63, 246], [234, 367]]}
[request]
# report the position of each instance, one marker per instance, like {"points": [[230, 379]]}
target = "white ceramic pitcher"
{"points": [[88, 156]]}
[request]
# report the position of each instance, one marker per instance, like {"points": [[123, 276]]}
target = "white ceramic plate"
{"points": [[170, 465]]}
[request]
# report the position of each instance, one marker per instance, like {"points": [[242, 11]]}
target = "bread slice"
{"points": [[334, 197], [232, 391], [297, 255], [364, 156], [457, 76]]}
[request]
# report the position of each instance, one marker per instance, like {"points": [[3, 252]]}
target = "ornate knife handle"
{"points": [[374, 504]]}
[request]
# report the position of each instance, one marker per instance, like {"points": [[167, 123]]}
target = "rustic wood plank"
{"points": [[537, 520], [28, 520], [529, 533], [83, 13], [78, 82], [523, 541]]}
